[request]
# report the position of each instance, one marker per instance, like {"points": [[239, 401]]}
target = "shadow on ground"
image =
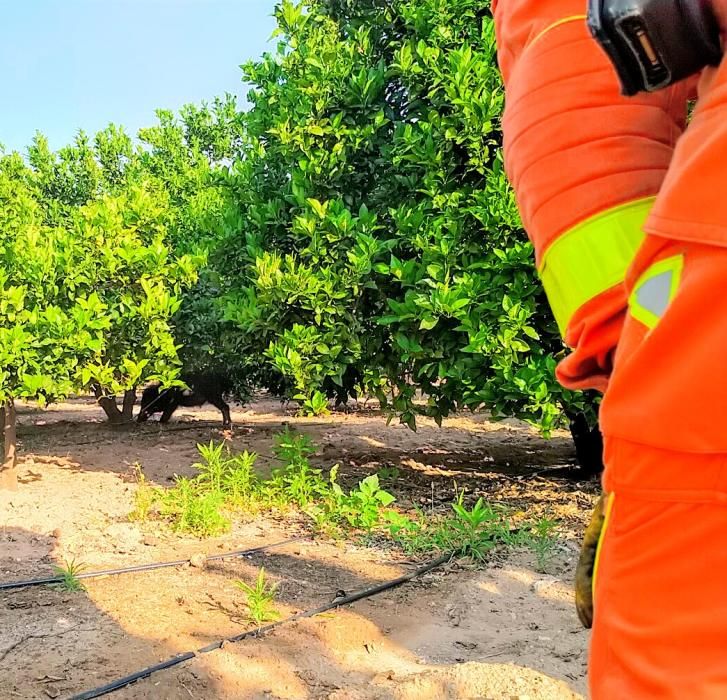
{"points": [[501, 633]]}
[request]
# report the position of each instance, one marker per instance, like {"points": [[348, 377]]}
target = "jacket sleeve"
{"points": [[585, 164]]}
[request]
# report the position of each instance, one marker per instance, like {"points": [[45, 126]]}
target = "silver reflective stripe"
{"points": [[654, 294]]}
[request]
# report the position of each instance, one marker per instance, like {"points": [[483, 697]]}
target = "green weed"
{"points": [[467, 532], [212, 468], [192, 509], [388, 473], [411, 533], [363, 506], [314, 405], [541, 539], [297, 484], [228, 484], [260, 599], [69, 573], [144, 498], [291, 447], [239, 481], [476, 531]]}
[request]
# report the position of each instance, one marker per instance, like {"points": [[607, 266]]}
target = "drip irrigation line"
{"points": [[145, 567], [127, 680], [335, 603]]}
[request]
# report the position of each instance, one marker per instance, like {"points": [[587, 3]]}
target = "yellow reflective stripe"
{"points": [[599, 546], [674, 265], [558, 23], [592, 257]]}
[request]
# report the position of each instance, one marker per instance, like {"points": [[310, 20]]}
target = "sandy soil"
{"points": [[459, 632]]}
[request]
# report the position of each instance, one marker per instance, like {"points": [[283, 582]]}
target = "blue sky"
{"points": [[70, 64]]}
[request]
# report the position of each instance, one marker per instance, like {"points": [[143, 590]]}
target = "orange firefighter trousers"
{"points": [[660, 623]]}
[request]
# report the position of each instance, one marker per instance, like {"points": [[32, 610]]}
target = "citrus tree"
{"points": [[148, 207], [188, 156], [87, 294], [139, 279], [381, 241], [52, 321]]}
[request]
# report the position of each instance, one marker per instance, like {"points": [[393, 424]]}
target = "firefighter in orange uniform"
{"points": [[626, 207]]}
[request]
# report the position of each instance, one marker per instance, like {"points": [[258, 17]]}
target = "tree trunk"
{"points": [[127, 413], [108, 404], [8, 471], [588, 442]]}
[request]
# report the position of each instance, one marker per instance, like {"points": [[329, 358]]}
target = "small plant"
{"points": [[299, 484], [240, 480], [69, 573], [212, 468], [410, 533], [327, 513], [260, 599], [194, 510], [295, 482], [388, 473], [228, 484], [468, 532], [476, 531], [291, 447], [363, 506], [145, 497], [197, 505], [542, 540], [314, 405]]}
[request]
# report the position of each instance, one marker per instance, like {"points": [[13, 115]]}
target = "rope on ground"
{"points": [[335, 603]]}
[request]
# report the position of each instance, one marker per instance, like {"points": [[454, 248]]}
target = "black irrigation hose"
{"points": [[335, 603], [145, 567]]}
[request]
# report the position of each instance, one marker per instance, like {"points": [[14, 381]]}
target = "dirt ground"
{"points": [[459, 632]]}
